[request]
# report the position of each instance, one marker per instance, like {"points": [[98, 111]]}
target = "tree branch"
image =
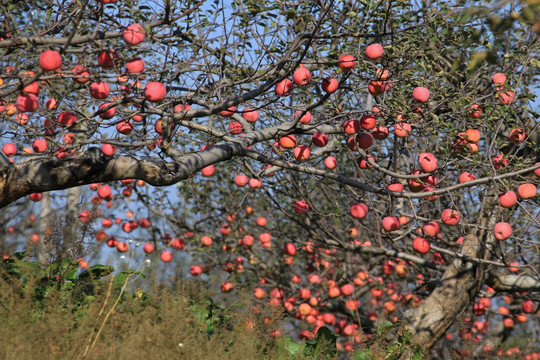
{"points": [[511, 282], [40, 174]]}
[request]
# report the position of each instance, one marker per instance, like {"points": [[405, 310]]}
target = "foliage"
{"points": [[144, 323]]}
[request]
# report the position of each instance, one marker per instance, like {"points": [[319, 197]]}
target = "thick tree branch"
{"points": [[40, 174], [459, 285], [511, 282]]}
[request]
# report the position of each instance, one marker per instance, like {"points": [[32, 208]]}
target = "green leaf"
{"points": [[96, 272], [121, 278], [324, 344], [62, 267], [19, 255], [292, 347]]}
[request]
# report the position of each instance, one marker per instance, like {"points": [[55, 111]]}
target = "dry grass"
{"points": [[141, 326]]}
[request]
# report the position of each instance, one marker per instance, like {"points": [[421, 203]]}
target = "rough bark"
{"points": [[510, 282], [42, 174], [458, 286], [44, 250]]}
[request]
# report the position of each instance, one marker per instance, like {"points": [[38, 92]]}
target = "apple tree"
{"points": [[364, 165]]}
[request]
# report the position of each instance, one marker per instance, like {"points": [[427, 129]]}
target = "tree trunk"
{"points": [[458, 286], [44, 249]]}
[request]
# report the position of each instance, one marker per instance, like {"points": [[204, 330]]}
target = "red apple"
{"points": [[165, 256], [378, 87], [421, 94], [302, 76], [380, 132], [330, 85], [104, 191], [100, 90], [82, 263], [374, 51], [290, 249], [106, 59], [395, 187], [475, 111], [450, 217], [507, 199], [85, 216], [108, 114], [431, 228], [527, 191], [108, 149], [50, 60], [51, 104], [182, 107], [288, 141], [502, 231], [206, 240], [301, 207], [148, 248], [36, 197], [32, 88], [351, 127], [472, 135], [390, 223], [364, 140], [265, 238], [402, 129], [368, 122], [359, 210], [428, 162], [259, 293], [499, 161], [134, 34], [135, 66], [229, 112], [508, 322], [22, 119], [241, 180], [144, 223], [250, 115], [347, 289], [195, 270], [39, 145], [351, 143], [208, 170], [330, 162], [506, 97], [382, 74], [124, 127], [363, 164], [465, 176], [347, 62], [301, 152], [517, 136], [421, 245], [27, 103], [306, 119], [69, 138], [255, 183], [498, 79], [284, 87], [154, 91], [528, 307], [320, 139], [235, 128]]}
